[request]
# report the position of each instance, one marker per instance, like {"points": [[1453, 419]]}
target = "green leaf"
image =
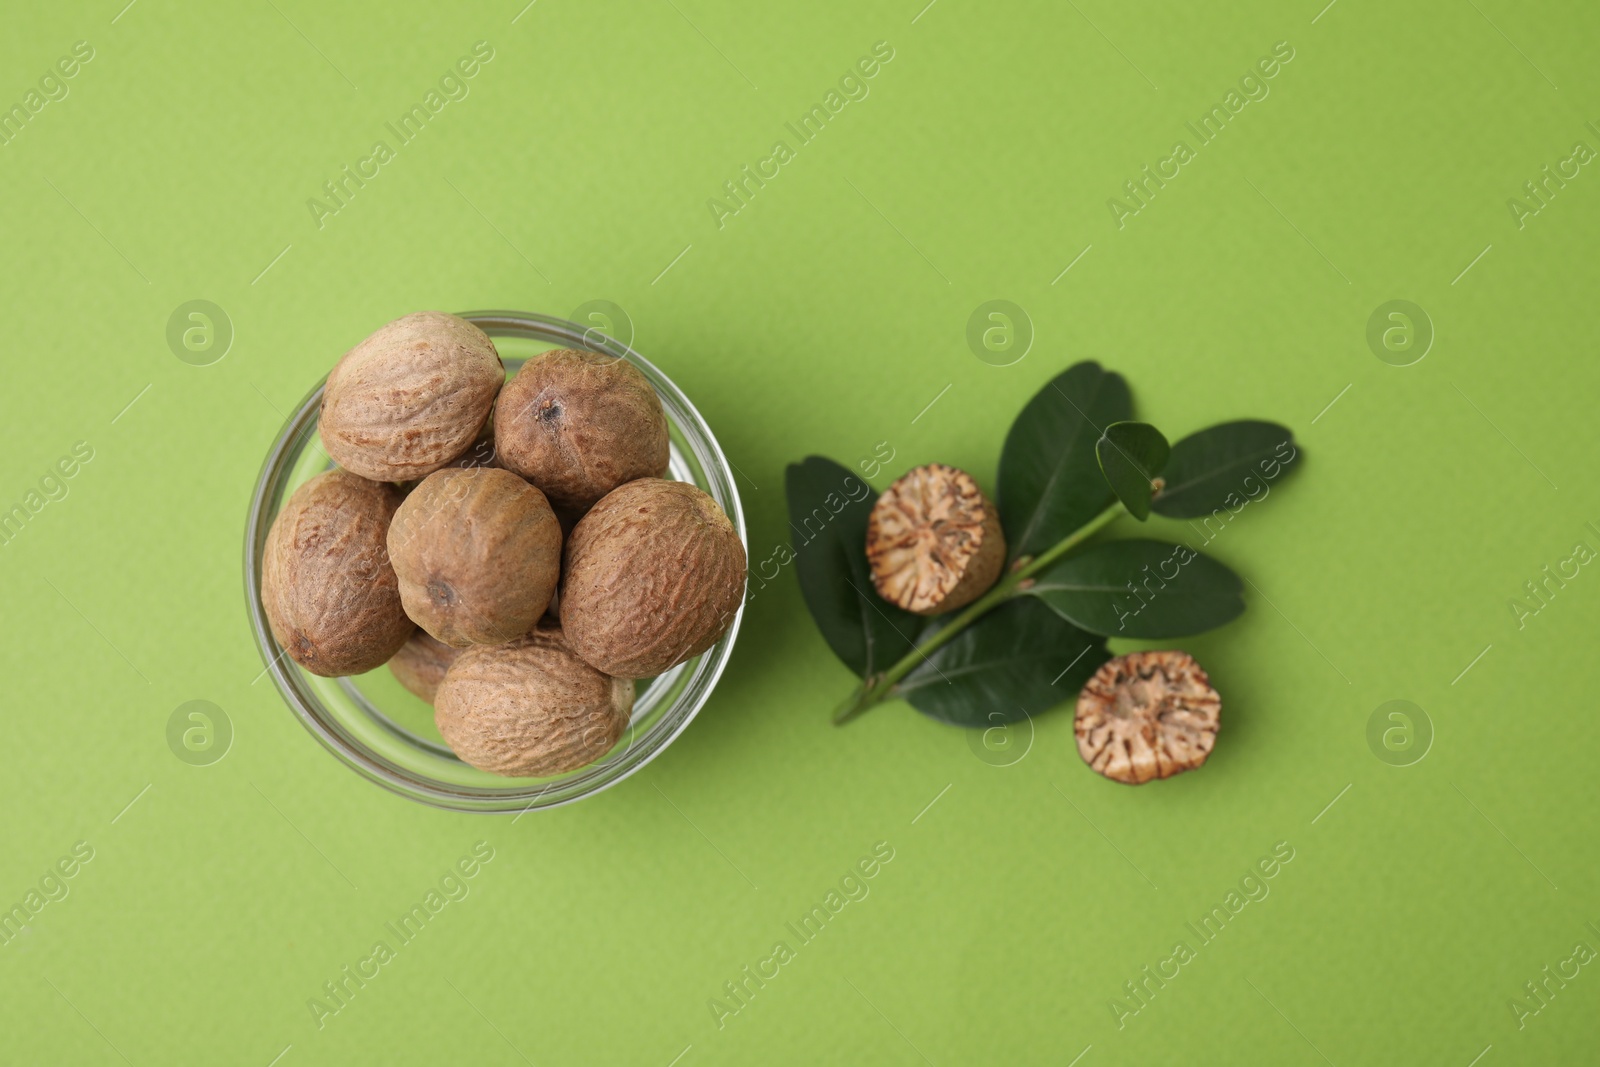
{"points": [[1017, 661], [1140, 588], [828, 507], [1233, 461], [1131, 454], [1050, 481]]}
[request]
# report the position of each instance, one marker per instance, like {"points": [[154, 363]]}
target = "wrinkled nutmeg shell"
{"points": [[655, 574], [330, 594], [934, 541], [421, 662], [530, 708], [1147, 715], [578, 424], [410, 398], [478, 555]]}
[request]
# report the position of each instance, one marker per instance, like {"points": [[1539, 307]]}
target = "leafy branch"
{"points": [[1074, 462]]}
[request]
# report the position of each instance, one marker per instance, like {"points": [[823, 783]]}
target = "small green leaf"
{"points": [[1017, 661], [1131, 454], [1050, 482], [1220, 466], [1140, 588], [828, 508]]}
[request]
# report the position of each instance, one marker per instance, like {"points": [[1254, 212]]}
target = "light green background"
{"points": [[824, 317]]}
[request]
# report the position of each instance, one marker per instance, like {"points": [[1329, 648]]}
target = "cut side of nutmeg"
{"points": [[934, 541], [1147, 715]]}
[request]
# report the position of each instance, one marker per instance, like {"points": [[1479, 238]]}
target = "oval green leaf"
{"points": [[1015, 662], [1050, 481], [1223, 465], [828, 508], [1141, 588], [1131, 454]]}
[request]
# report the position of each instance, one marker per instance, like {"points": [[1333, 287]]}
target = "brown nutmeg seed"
{"points": [[934, 541], [530, 707], [421, 662], [578, 424], [330, 594], [411, 397], [655, 574], [478, 555], [1147, 715]]}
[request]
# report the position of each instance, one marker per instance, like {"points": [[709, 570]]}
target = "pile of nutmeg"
{"points": [[511, 549]]}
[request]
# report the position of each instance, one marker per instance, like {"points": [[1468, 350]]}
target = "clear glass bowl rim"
{"points": [[702, 673]]}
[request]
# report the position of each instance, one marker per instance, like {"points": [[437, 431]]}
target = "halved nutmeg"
{"points": [[1147, 715], [934, 541]]}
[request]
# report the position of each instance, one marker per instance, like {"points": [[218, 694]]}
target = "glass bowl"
{"points": [[386, 734]]}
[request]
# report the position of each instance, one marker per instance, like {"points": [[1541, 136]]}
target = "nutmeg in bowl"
{"points": [[386, 732]]}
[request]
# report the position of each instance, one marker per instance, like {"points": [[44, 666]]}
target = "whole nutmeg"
{"points": [[1147, 715], [421, 662], [478, 555], [934, 541], [410, 398], [578, 424], [655, 574], [530, 707], [331, 597]]}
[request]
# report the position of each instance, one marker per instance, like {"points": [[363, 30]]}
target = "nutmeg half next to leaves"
{"points": [[530, 707], [411, 397], [934, 541], [578, 424], [421, 662], [655, 574], [331, 597], [1147, 715], [478, 555]]}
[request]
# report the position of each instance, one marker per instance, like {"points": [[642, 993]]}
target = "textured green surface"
{"points": [[825, 316]]}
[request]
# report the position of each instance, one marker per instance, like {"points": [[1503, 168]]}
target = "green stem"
{"points": [[878, 688]]}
